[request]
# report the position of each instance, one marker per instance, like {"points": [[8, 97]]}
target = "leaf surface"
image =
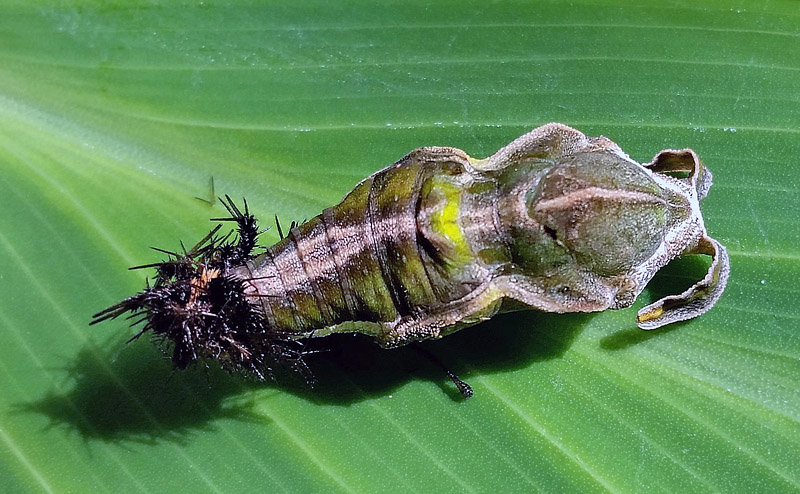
{"points": [[115, 116]]}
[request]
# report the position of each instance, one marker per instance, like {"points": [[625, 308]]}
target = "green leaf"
{"points": [[115, 116]]}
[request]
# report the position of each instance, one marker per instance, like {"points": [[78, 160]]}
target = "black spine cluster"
{"points": [[202, 313]]}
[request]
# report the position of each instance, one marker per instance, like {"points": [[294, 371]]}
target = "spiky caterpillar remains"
{"points": [[198, 306], [438, 241]]}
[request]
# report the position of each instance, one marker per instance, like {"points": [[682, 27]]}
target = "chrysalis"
{"points": [[439, 241]]}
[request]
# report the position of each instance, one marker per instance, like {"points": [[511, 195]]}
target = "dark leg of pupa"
{"points": [[463, 388]]}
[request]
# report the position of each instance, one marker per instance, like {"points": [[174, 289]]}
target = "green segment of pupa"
{"points": [[554, 221]]}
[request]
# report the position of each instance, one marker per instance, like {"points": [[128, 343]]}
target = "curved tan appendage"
{"points": [[683, 160], [698, 298]]}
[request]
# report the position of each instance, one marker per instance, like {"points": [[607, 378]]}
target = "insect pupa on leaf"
{"points": [[554, 221]]}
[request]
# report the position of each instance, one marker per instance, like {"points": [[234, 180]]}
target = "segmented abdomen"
{"points": [[394, 247]]}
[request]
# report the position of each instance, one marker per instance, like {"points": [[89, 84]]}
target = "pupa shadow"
{"points": [[357, 369], [134, 394]]}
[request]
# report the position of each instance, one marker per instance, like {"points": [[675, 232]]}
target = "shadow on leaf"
{"points": [[133, 394], [354, 368]]}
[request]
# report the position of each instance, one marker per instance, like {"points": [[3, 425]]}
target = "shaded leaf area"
{"points": [[139, 401], [150, 402], [116, 116]]}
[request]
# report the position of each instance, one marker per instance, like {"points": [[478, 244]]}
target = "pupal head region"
{"points": [[588, 227]]}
